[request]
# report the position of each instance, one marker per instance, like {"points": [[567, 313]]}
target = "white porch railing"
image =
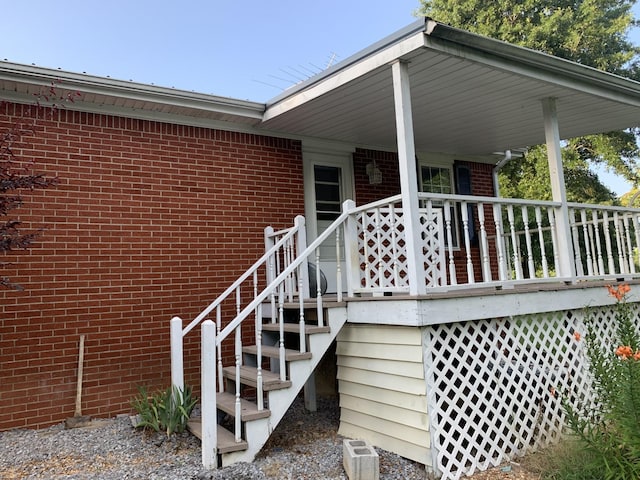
{"points": [[470, 240]]}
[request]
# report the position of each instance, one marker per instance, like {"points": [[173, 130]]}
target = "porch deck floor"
{"points": [[477, 290]]}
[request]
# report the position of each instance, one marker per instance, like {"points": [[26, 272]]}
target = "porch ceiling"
{"points": [[470, 95]]}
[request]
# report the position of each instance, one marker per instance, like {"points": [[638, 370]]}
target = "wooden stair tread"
{"points": [[295, 328], [274, 352], [226, 402], [270, 380], [226, 440]]}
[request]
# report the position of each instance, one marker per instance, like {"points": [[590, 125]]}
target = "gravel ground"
{"points": [[304, 446]]}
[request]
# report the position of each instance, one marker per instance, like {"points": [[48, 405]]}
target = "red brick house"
{"points": [[164, 197]]}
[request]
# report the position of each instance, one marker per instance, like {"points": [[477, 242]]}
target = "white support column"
{"points": [[301, 246], [566, 267], [177, 356], [351, 255], [408, 177], [208, 395]]}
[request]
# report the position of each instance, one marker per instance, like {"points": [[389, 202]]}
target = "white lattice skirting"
{"points": [[493, 384]]}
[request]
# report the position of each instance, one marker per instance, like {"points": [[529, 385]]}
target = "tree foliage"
{"points": [[589, 32]]}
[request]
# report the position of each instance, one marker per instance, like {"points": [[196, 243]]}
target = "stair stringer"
{"points": [[257, 432]]}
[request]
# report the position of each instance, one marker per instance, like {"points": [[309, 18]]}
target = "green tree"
{"points": [[589, 32]]}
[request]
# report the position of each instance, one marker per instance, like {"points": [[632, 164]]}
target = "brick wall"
{"points": [[149, 220], [387, 162]]}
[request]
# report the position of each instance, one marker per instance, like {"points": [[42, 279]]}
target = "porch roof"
{"points": [[470, 94]]}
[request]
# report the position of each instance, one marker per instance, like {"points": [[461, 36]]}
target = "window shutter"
{"points": [[463, 187]]}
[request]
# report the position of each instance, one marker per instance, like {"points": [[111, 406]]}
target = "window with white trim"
{"points": [[440, 179]]}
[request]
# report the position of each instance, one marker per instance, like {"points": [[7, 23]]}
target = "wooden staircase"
{"points": [[257, 425]]}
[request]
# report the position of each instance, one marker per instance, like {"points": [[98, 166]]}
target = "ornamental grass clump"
{"points": [[608, 426], [165, 410]]}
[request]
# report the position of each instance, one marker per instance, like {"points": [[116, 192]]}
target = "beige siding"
{"points": [[382, 388]]}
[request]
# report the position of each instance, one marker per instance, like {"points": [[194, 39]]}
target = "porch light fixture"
{"points": [[374, 174]]}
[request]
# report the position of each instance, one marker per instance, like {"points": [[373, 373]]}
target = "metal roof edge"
{"points": [[531, 57], [42, 76], [396, 37]]}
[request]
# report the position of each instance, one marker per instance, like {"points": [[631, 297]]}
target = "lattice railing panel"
{"points": [[381, 244], [493, 385], [382, 248], [433, 246]]}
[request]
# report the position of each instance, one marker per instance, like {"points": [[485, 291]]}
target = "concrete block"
{"points": [[360, 460]]}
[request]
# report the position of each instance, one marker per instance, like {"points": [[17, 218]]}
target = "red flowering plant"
{"points": [[609, 426]]}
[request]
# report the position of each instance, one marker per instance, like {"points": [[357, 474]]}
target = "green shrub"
{"points": [[165, 410]]}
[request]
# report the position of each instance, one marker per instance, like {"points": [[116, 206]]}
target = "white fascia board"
{"points": [[162, 96], [531, 63], [468, 306], [346, 75]]}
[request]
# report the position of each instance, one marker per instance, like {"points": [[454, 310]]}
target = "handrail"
{"points": [[269, 289], [291, 231], [483, 199], [613, 208]]}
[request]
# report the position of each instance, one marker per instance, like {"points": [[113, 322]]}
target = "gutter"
{"points": [[556, 66], [508, 156], [39, 77]]}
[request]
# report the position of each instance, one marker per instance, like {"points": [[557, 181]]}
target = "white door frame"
{"points": [[325, 155]]}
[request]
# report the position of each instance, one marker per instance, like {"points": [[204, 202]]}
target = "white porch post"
{"points": [[177, 355], [408, 177], [301, 246], [351, 255], [566, 268], [208, 401]]}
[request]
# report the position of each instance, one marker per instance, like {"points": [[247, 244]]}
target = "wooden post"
{"points": [[408, 178]]}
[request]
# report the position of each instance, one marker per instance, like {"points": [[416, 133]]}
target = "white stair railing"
{"points": [[285, 267]]}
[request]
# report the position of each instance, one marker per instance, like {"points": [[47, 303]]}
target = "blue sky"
{"points": [[243, 49], [224, 47]]}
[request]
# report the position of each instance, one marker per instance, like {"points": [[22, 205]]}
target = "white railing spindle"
{"points": [[543, 251], [467, 242], [587, 242], [576, 242], [527, 237], [220, 366], [629, 247], [301, 322], [484, 251], [258, 329], [282, 352], [449, 238], [238, 405], [514, 243]]}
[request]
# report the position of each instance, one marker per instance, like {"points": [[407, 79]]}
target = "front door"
{"points": [[328, 183]]}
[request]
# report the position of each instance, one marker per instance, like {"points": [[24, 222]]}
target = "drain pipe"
{"points": [[498, 166]]}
